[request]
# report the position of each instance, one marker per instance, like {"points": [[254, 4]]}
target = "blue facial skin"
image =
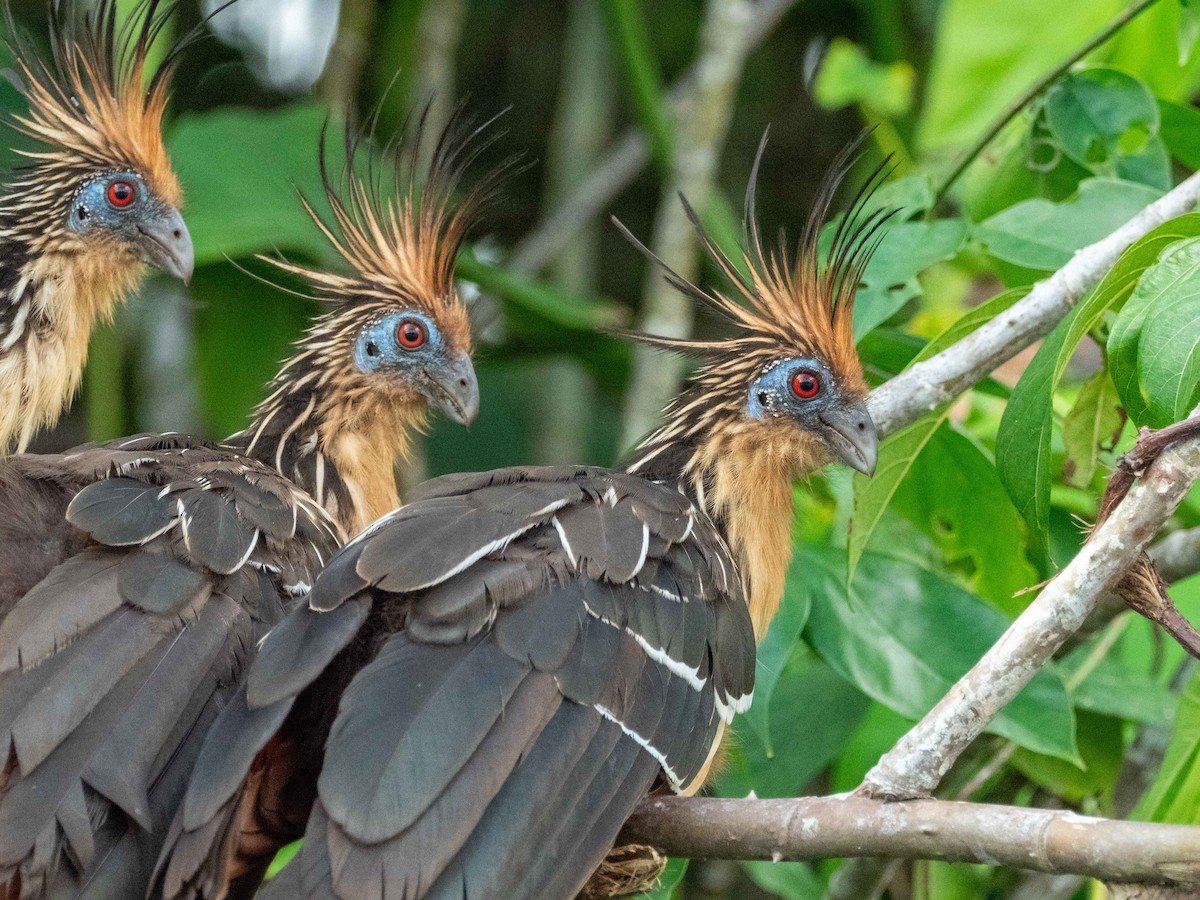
{"points": [[378, 348], [442, 374], [92, 210], [771, 394], [148, 226]]}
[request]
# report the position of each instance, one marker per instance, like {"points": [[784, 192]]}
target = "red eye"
{"points": [[806, 384], [410, 334], [120, 194]]}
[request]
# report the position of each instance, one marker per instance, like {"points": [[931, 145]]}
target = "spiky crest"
{"points": [[399, 231], [97, 106], [399, 225], [801, 306]]}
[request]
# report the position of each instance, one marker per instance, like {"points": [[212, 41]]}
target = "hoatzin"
{"points": [[97, 200], [137, 577], [517, 657]]}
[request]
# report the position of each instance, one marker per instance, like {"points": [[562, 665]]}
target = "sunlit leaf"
{"points": [[890, 280], [1023, 439], [282, 858], [1107, 121], [989, 51], [849, 76], [1093, 424], [1169, 344], [1039, 234], [1168, 282], [1189, 29]]}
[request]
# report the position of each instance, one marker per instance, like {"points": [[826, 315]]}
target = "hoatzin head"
{"points": [[95, 201], [396, 337], [782, 397], [99, 187]]}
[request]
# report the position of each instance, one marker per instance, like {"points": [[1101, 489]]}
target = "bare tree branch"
{"points": [[811, 828], [933, 383], [915, 766]]}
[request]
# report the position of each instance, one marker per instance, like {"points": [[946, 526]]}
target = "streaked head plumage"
{"points": [[395, 319], [793, 358], [95, 111], [98, 103]]}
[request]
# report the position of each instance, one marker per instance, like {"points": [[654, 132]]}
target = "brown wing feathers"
{"points": [[509, 638], [95, 737]]}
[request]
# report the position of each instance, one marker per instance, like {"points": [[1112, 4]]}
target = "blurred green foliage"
{"points": [[899, 583]]}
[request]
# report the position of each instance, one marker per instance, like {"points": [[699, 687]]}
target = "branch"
{"points": [[811, 828], [936, 381], [915, 766], [1177, 556], [621, 165]]}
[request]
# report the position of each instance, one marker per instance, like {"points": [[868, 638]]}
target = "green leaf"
{"points": [[1158, 285], [813, 713], [848, 76], [896, 454], [1101, 748], [912, 195], [1107, 121], [789, 880], [1039, 234], [234, 361], [563, 308], [630, 36], [774, 652], [881, 728], [1180, 131], [988, 51], [1189, 29], [873, 495], [890, 280], [1169, 345], [1094, 423], [240, 202], [282, 858], [906, 636], [954, 495], [1175, 794], [1115, 689], [669, 881], [1023, 439]]}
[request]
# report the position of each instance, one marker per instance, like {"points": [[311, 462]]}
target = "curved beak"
{"points": [[164, 242], [850, 434], [454, 389]]}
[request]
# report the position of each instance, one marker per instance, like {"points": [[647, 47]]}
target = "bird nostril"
{"points": [[177, 233], [462, 382], [862, 426]]}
